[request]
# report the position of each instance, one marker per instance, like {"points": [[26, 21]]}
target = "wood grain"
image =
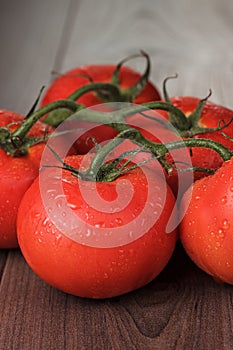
{"points": [[3, 258], [183, 308]]}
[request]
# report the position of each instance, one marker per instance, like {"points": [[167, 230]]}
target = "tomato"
{"points": [[91, 240], [211, 115], [16, 175], [206, 230], [75, 78], [65, 84]]}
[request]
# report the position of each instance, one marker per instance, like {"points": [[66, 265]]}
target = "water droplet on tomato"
{"points": [[73, 206], [100, 224], [88, 233], [44, 223], [53, 229], [224, 200], [58, 238], [51, 193], [130, 234], [118, 221], [226, 224], [204, 187]]}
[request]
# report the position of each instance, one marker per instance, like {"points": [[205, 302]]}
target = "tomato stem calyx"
{"points": [[99, 170], [129, 94], [191, 126]]}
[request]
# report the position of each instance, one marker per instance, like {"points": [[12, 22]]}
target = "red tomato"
{"points": [[206, 230], [113, 253], [211, 116], [72, 80], [67, 83], [16, 175]]}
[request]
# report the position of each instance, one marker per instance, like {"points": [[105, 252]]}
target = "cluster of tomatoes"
{"points": [[78, 234]]}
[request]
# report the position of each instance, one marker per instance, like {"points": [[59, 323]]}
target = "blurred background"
{"points": [[193, 38]]}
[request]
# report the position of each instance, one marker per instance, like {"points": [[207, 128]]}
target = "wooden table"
{"points": [[183, 308]]}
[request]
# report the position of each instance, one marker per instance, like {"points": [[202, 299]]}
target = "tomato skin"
{"points": [[67, 83], [206, 230], [16, 175], [88, 271]]}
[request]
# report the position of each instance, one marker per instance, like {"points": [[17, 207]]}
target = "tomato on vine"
{"points": [[21, 146], [206, 230], [93, 85], [16, 175], [202, 119], [97, 234], [81, 84]]}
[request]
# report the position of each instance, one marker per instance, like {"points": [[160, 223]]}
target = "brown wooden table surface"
{"points": [[183, 308]]}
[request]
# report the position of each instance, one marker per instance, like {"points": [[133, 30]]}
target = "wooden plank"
{"points": [[3, 258], [176, 311]]}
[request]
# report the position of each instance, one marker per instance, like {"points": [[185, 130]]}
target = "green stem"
{"points": [[165, 93], [27, 124], [35, 103], [195, 116], [107, 92], [117, 121], [101, 171], [180, 121], [132, 92], [115, 79], [112, 93], [119, 116], [224, 152], [100, 156]]}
